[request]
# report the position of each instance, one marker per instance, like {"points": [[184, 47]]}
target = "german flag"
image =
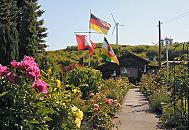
{"points": [[99, 25]]}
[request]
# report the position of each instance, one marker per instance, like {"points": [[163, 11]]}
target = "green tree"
{"points": [[8, 34], [31, 30]]}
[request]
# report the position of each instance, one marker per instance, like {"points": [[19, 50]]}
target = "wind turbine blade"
{"points": [[121, 25], [113, 29], [113, 18]]}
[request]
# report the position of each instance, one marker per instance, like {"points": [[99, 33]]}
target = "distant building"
{"points": [[166, 41], [131, 66]]}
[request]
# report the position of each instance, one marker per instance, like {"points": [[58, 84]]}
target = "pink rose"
{"points": [[14, 63], [40, 86], [3, 70], [109, 101], [29, 66], [28, 58], [96, 106]]}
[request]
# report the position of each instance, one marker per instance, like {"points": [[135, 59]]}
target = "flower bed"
{"points": [[35, 99]]}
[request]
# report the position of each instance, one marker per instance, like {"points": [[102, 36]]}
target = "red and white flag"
{"points": [[84, 42]]}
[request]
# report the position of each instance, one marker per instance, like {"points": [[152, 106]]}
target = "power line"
{"points": [[176, 17]]}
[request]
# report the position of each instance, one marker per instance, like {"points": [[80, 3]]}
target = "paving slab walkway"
{"points": [[135, 114]]}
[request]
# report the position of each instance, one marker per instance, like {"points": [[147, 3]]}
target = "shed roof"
{"points": [[133, 55], [123, 57]]}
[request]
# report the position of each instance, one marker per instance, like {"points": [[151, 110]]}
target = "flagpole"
{"points": [[89, 63], [87, 32]]}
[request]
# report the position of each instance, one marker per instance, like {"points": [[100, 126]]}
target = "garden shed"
{"points": [[131, 66]]}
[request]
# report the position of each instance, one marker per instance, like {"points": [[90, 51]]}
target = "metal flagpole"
{"points": [[167, 59], [86, 32], [89, 38]]}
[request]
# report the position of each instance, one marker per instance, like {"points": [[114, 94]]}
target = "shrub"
{"points": [[157, 100], [87, 79], [173, 119], [27, 106], [102, 106]]}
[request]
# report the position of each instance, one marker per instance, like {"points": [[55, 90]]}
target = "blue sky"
{"points": [[140, 17]]}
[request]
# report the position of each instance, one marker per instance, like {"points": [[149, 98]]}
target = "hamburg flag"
{"points": [[84, 42], [99, 25], [108, 52]]}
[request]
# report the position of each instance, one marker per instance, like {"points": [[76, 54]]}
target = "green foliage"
{"points": [[149, 84], [21, 30], [27, 23], [152, 54], [8, 11], [101, 118], [71, 55], [174, 118], [23, 108], [8, 43], [168, 93], [8, 34], [87, 79], [157, 100], [139, 49], [111, 86], [156, 91]]}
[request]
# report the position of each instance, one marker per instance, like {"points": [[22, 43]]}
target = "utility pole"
{"points": [[188, 79], [159, 26]]}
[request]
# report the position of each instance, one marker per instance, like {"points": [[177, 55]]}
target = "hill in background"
{"points": [[64, 57]]}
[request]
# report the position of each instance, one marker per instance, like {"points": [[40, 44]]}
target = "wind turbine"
{"points": [[117, 29]]}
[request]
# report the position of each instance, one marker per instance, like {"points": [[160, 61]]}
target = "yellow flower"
{"points": [[49, 72], [78, 122], [74, 109], [76, 92], [79, 114], [64, 105], [58, 83]]}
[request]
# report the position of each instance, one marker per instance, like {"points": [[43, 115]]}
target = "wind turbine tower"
{"points": [[116, 26]]}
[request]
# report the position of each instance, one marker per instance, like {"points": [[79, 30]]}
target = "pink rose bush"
{"points": [[29, 68]]}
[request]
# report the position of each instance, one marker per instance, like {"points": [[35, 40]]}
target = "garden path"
{"points": [[135, 114]]}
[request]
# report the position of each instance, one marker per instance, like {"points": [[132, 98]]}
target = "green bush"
{"points": [[21, 107], [171, 118], [157, 100], [25, 106], [87, 79], [108, 100], [172, 92]]}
